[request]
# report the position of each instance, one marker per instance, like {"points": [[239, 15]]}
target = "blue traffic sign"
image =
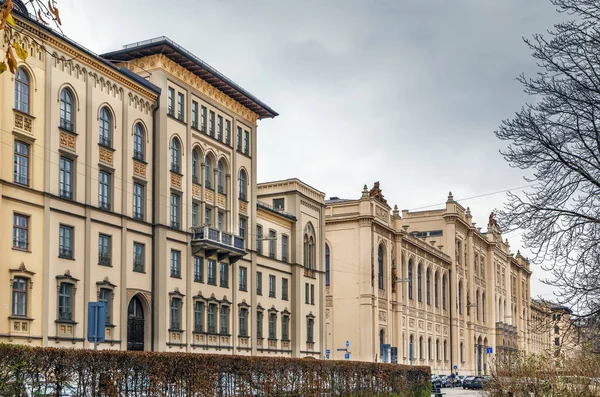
{"points": [[347, 356], [456, 367], [489, 350], [347, 344]]}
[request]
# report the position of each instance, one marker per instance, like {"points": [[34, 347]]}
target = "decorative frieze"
{"points": [[139, 169], [23, 122], [176, 180], [196, 191], [106, 155], [221, 200], [67, 140], [383, 303], [383, 315], [209, 196], [382, 214], [244, 207]]}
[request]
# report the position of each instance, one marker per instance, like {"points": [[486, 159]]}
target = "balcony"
{"points": [[217, 242]]}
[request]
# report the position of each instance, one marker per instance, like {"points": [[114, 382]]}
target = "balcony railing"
{"points": [[104, 259], [105, 205], [175, 167], [138, 155], [226, 244], [66, 193], [65, 253]]}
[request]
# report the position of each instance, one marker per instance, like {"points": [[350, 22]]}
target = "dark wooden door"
{"points": [[135, 325]]}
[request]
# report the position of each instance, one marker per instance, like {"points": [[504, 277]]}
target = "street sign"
{"points": [[96, 322], [394, 354], [456, 367], [347, 344], [327, 354], [489, 350], [347, 356]]}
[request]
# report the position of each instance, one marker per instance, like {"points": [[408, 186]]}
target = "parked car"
{"points": [[436, 381], [460, 379], [468, 381]]}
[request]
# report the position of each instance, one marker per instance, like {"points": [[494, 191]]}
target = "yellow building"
{"points": [[551, 331]]}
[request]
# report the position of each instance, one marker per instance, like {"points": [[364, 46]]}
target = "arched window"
{"points": [[380, 267], [436, 287], [207, 172], [437, 349], [444, 292], [66, 110], [421, 347], [477, 303], [483, 307], [195, 166], [105, 127], [429, 348], [459, 301], [138, 142], [327, 269], [410, 279], [428, 286], [175, 155], [243, 185], [419, 288], [309, 247], [22, 90], [220, 184]]}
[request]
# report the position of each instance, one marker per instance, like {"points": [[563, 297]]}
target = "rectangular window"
{"points": [[220, 217], [138, 201], [198, 269], [272, 237], [208, 216], [194, 214], [176, 314], [312, 294], [284, 248], [194, 114], [272, 286], [246, 142], [284, 289], [138, 257], [65, 242], [227, 132], [258, 283], [21, 163], [243, 322], [279, 204], [20, 231], [259, 324], [224, 320], [65, 302], [243, 278], [203, 119], [310, 325], [180, 108], [19, 297], [211, 272], [105, 297], [199, 317], [212, 318], [272, 326], [104, 250], [224, 279], [211, 123], [259, 239], [104, 190], [175, 263], [306, 293], [170, 102], [175, 211], [285, 328], [65, 178], [220, 128], [242, 227], [239, 139]]}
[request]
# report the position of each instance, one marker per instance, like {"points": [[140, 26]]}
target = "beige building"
{"points": [[429, 283], [551, 331]]}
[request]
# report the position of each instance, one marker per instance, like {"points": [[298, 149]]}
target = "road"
{"points": [[459, 392]]}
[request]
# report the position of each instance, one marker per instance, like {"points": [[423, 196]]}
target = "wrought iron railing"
{"points": [[217, 236]]}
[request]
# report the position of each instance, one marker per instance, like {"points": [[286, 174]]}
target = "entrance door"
{"points": [[135, 325]]}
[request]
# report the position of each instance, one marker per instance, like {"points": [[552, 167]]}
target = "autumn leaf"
{"points": [[10, 20], [20, 51], [12, 62], [2, 67]]}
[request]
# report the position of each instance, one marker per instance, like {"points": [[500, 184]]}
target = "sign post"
{"points": [[327, 354], [96, 322]]}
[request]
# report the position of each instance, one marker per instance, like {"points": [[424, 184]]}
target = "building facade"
{"points": [[428, 283], [551, 330]]}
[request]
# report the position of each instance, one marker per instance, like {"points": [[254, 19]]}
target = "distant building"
{"points": [[552, 331]]}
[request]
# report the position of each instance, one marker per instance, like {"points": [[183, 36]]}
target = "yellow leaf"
{"points": [[2, 67], [10, 20], [20, 51]]}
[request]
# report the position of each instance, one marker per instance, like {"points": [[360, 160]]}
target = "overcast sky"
{"points": [[405, 92]]}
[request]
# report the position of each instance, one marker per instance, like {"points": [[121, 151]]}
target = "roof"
{"points": [[333, 200], [176, 53]]}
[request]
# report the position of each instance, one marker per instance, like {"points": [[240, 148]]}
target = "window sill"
{"points": [[105, 264], [140, 160], [199, 281], [224, 286], [175, 276], [68, 131], [139, 271], [110, 326], [22, 318], [273, 339], [21, 249], [66, 257], [244, 289], [66, 322], [107, 147], [175, 330], [23, 113]]}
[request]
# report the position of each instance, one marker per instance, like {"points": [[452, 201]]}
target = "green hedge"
{"points": [[46, 371]]}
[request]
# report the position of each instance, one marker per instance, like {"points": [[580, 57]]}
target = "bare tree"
{"points": [[556, 139]]}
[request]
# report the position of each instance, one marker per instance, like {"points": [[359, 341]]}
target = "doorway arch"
{"points": [[136, 325]]}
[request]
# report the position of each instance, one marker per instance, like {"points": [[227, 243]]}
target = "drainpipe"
{"points": [[450, 302], [153, 256]]}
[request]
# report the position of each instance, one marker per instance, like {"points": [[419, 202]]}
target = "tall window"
{"points": [[65, 177], [224, 320], [227, 132], [272, 326], [203, 119], [105, 297], [327, 266], [211, 123], [445, 349], [195, 208], [211, 272], [242, 227], [312, 294], [138, 257], [220, 128], [224, 282], [207, 172], [243, 322], [65, 302], [175, 314], [65, 242], [421, 347], [483, 307], [239, 139], [259, 239], [259, 324], [428, 286], [180, 113], [306, 293], [284, 289], [19, 297], [435, 289], [104, 250], [410, 279], [195, 166], [220, 187], [175, 210], [310, 326], [212, 318], [285, 328], [199, 316], [171, 102], [246, 142], [22, 90], [66, 110], [220, 217], [207, 215], [437, 349], [477, 304], [20, 231], [243, 184], [272, 286], [380, 267], [21, 163], [175, 155], [429, 348], [459, 302], [175, 263], [138, 142], [258, 283], [105, 127], [444, 292], [419, 291], [104, 190], [138, 201], [194, 114], [198, 269], [272, 237], [243, 278], [284, 248]]}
